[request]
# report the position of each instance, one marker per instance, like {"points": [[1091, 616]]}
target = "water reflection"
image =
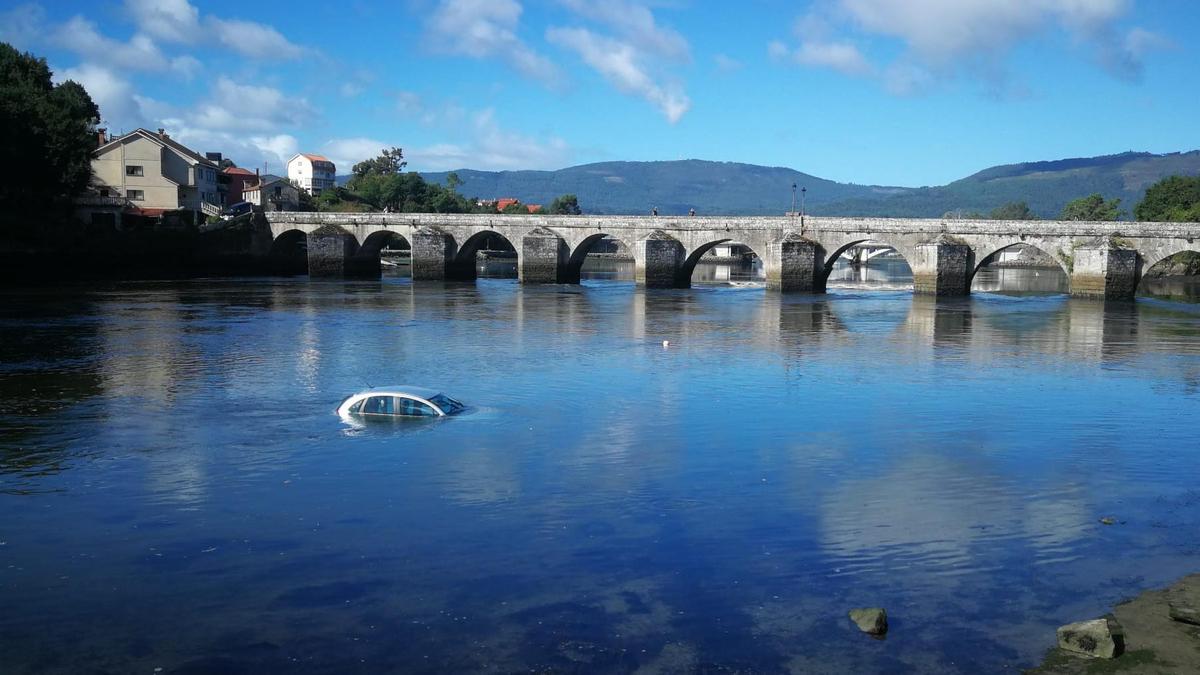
{"points": [[610, 504]]}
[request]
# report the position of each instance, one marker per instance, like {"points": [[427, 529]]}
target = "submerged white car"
{"points": [[399, 401]]}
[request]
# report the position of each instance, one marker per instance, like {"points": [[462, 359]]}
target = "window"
{"points": [[135, 195], [378, 405], [133, 170], [415, 408]]}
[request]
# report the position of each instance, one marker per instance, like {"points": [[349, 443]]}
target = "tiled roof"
{"points": [[238, 171], [164, 141]]}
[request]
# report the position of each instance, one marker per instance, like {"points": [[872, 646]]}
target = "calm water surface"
{"points": [[178, 494]]}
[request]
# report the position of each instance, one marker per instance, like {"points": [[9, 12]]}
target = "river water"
{"points": [[664, 480]]}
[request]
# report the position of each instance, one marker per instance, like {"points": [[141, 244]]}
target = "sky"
{"points": [[888, 92]]}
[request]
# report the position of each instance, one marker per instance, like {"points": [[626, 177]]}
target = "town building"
{"points": [[150, 173], [313, 173], [273, 193], [239, 180]]}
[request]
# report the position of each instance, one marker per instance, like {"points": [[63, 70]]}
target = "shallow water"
{"points": [[178, 494]]}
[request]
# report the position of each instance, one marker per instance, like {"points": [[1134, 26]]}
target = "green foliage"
{"points": [[389, 162], [1013, 211], [379, 184], [1093, 207], [307, 201], [1172, 199], [515, 208], [50, 133], [566, 205], [226, 163]]}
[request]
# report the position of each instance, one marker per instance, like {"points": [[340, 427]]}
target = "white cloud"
{"points": [[473, 139], [21, 25], [636, 23], [727, 64], [119, 107], [346, 152], [621, 64], [179, 21], [167, 20], [245, 107], [81, 36], [487, 28], [944, 38], [255, 40]]}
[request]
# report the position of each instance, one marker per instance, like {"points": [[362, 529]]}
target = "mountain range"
{"points": [[728, 188]]}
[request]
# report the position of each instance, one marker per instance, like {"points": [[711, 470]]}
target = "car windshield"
{"points": [[447, 404]]}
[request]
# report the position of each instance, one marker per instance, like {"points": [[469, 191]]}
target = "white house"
{"points": [[313, 173], [273, 193], [154, 173]]}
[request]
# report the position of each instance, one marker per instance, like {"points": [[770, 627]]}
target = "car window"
{"points": [[378, 405], [446, 403], [357, 406], [408, 406]]}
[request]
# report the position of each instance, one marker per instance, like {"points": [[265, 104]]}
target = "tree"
{"points": [[389, 162], [453, 181], [566, 205], [1172, 199], [1013, 211], [307, 201], [227, 163], [1092, 207], [50, 134]]}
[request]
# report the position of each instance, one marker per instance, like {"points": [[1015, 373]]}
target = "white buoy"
{"points": [[666, 343]]}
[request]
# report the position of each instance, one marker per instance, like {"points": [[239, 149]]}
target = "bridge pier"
{"points": [[794, 264], [331, 254], [432, 255], [659, 262], [1104, 271], [544, 259], [942, 267]]}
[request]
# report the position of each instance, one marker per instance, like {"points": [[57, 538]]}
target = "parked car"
{"points": [[399, 401], [238, 209]]}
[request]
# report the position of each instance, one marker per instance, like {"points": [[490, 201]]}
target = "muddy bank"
{"points": [[1154, 642]]}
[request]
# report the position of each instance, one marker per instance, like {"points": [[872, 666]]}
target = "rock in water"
{"points": [[1101, 638], [870, 620], [1183, 603]]}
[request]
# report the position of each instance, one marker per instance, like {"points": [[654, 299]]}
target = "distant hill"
{"points": [[728, 188], [1046, 186], [723, 188]]}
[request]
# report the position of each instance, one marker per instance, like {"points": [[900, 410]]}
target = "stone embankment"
{"points": [[1156, 632]]}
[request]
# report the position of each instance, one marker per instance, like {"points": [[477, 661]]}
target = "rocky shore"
{"points": [[1159, 631]]}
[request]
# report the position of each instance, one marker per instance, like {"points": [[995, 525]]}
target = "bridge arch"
{"points": [[464, 267], [1154, 258], [580, 253], [834, 253], [695, 256], [289, 253], [1023, 280]]}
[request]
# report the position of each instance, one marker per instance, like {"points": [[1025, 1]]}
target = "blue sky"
{"points": [[897, 92]]}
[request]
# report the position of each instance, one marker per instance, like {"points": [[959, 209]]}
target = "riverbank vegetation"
{"points": [[50, 133], [381, 185]]}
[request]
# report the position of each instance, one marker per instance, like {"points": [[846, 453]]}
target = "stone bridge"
{"points": [[1103, 259]]}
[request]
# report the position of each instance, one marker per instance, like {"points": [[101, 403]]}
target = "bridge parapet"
{"points": [[798, 253]]}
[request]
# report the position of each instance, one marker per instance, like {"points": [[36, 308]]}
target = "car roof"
{"points": [[400, 389]]}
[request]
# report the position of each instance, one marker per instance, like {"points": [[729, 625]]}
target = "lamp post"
{"points": [[793, 211], [803, 192]]}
